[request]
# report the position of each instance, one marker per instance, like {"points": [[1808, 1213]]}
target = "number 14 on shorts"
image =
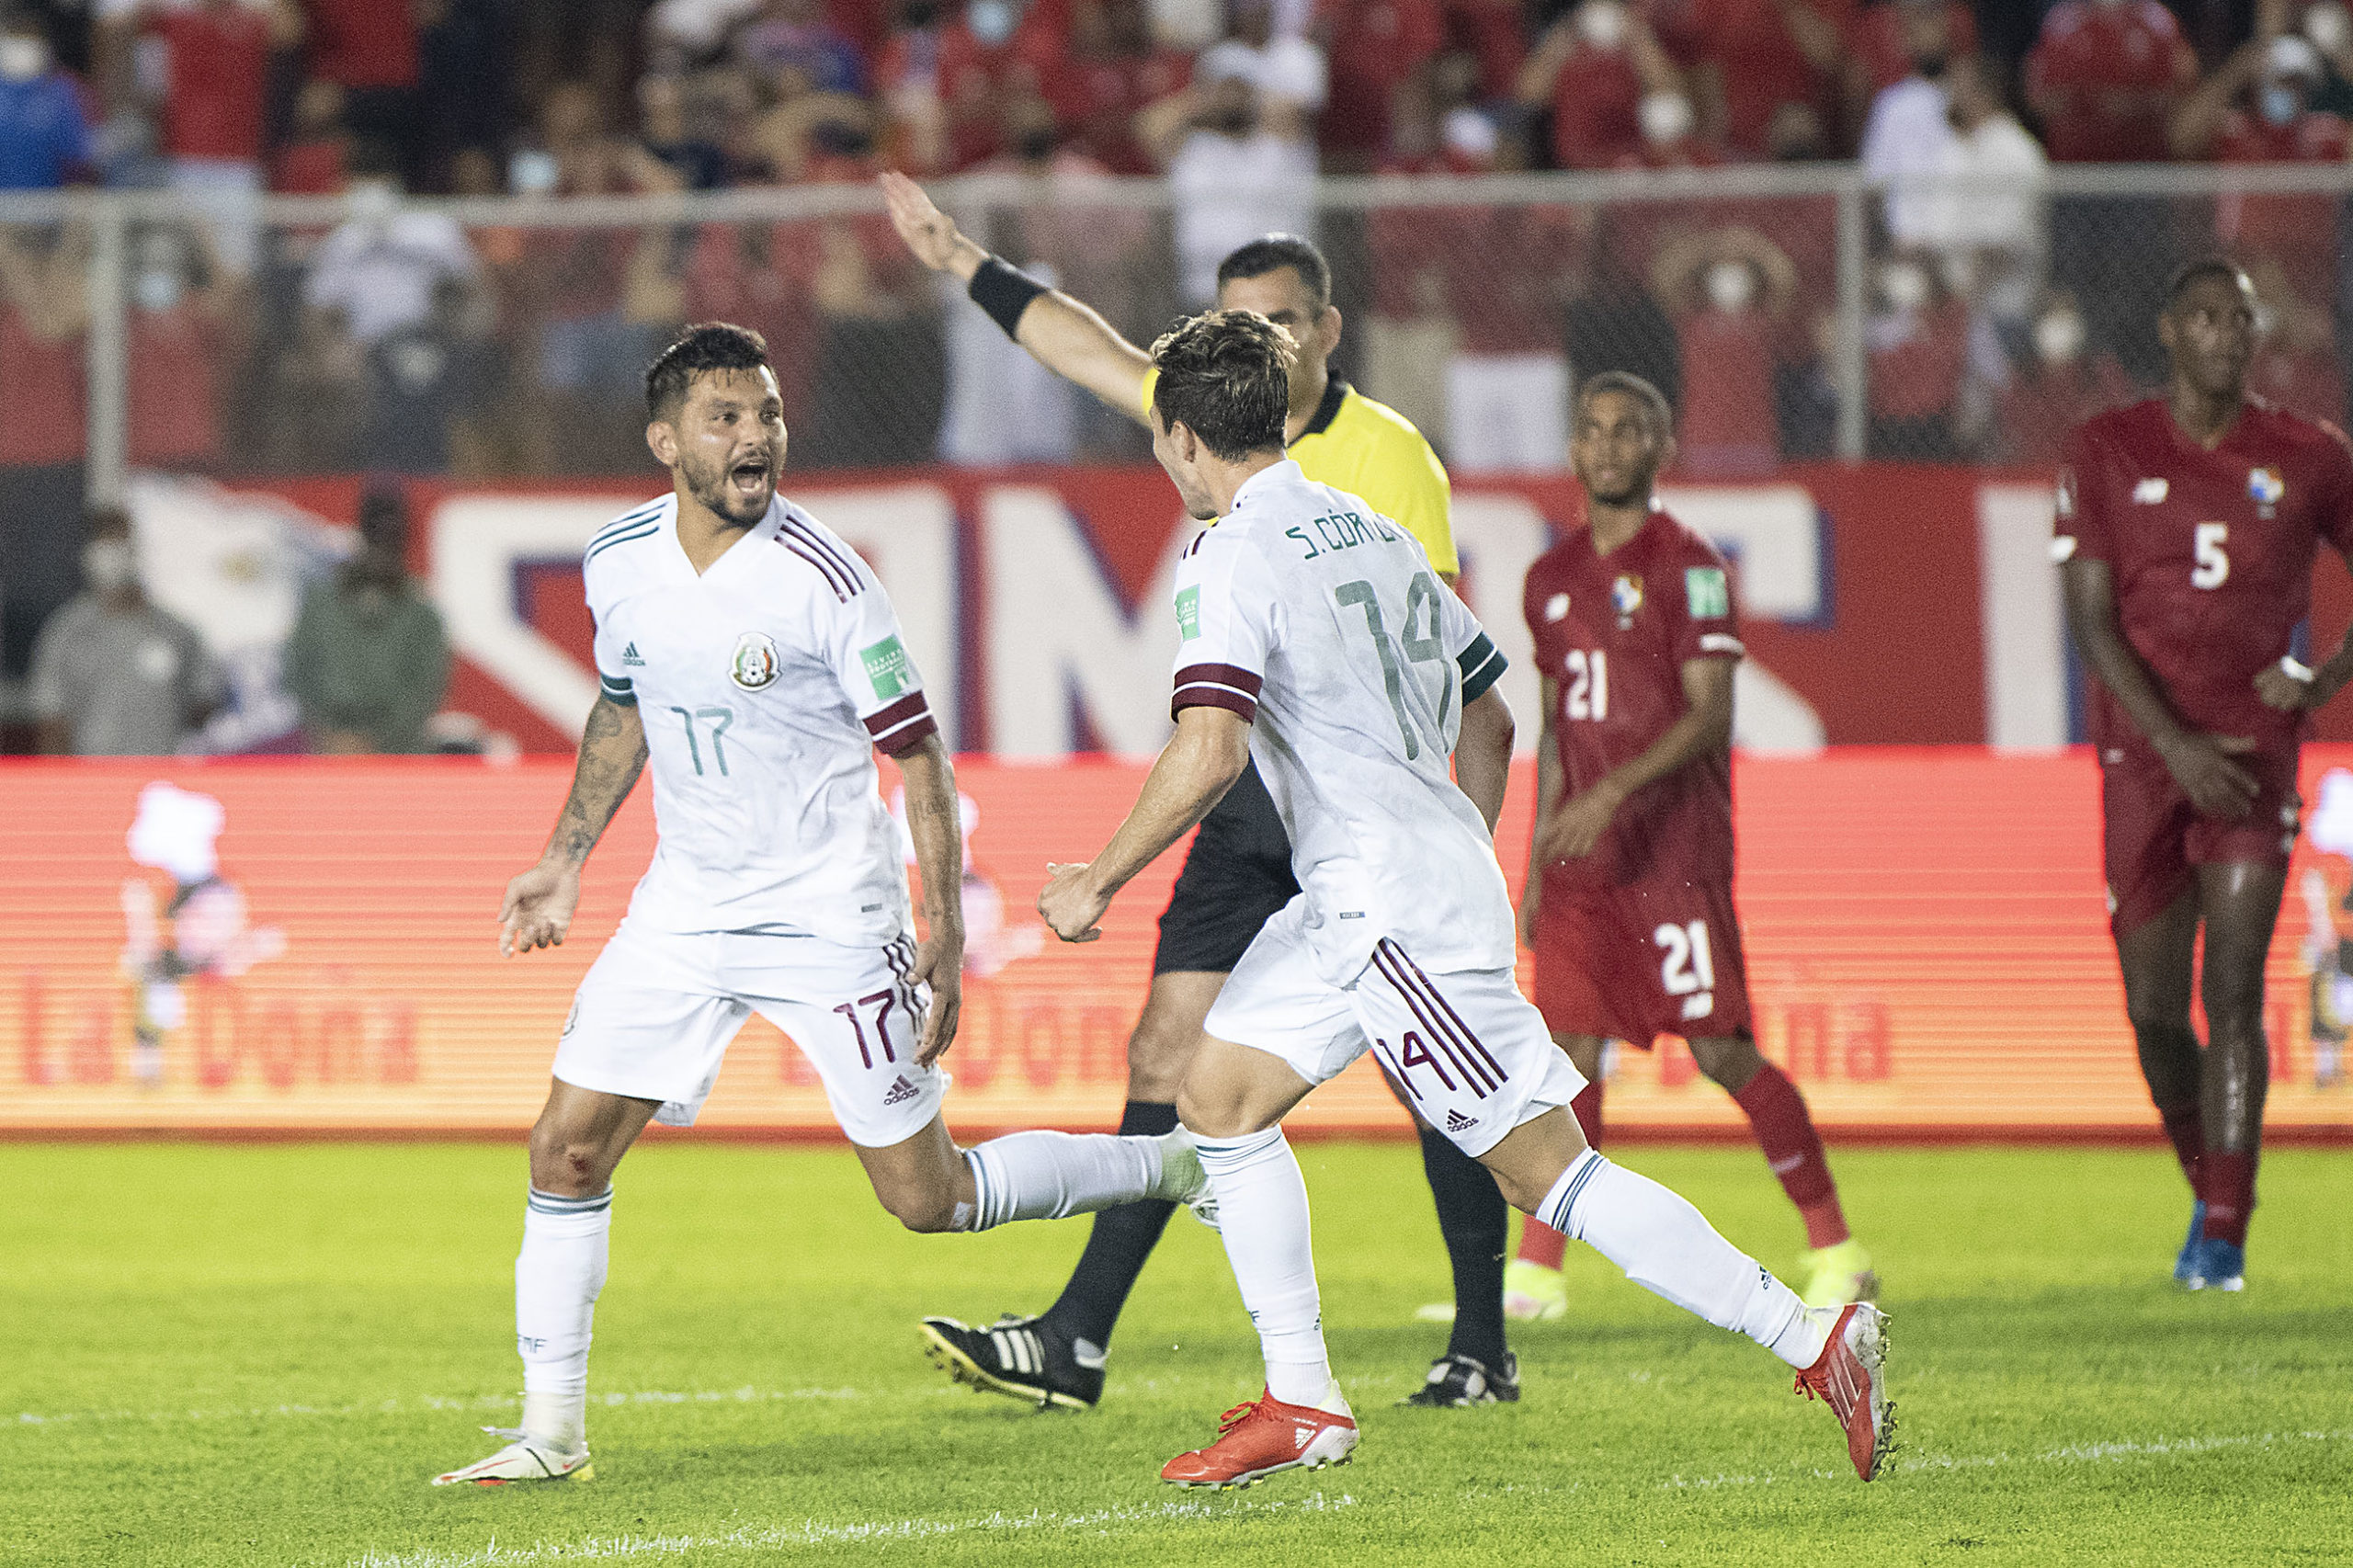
{"points": [[1687, 968]]}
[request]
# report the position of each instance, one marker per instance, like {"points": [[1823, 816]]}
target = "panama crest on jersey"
{"points": [[2265, 487], [1626, 596], [754, 664]]}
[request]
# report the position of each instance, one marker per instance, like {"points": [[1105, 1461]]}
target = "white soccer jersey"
{"points": [[1309, 613], [766, 683]]}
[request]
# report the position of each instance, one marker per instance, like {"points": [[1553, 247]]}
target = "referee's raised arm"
{"points": [[1060, 332]]}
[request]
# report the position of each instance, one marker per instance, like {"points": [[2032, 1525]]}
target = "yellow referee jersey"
{"points": [[1369, 449]]}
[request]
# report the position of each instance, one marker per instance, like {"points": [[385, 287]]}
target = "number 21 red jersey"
{"points": [[2211, 552], [1615, 631]]}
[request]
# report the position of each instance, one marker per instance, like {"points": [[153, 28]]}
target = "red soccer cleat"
{"points": [[1256, 1439], [1850, 1376]]}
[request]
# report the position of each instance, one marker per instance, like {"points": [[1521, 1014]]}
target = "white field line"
{"points": [[2071, 1453], [483, 1403], [811, 1533]]}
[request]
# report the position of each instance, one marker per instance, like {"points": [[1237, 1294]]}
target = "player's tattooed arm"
{"points": [[540, 902], [933, 823], [2201, 764], [1704, 730], [1200, 762]]}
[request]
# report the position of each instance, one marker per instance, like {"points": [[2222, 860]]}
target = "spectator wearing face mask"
{"points": [[1726, 291], [1878, 50], [1590, 72], [182, 319], [1280, 66], [368, 662], [1240, 165], [2063, 381], [209, 62], [1916, 344], [1907, 136], [45, 138], [2257, 108], [112, 674]]}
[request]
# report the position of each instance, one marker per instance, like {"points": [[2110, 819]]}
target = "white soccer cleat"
{"points": [[523, 1458]]}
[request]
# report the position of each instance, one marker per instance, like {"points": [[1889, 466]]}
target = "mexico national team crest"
{"points": [[754, 664], [2263, 487], [1626, 595]]}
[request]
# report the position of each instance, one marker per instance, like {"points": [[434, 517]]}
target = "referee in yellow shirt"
{"points": [[1238, 871]]}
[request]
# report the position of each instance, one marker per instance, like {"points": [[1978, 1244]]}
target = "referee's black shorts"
{"points": [[1236, 875]]}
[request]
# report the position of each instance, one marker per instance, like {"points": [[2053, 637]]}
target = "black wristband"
{"points": [[1004, 293]]}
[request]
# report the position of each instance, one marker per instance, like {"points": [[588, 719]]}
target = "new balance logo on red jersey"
{"points": [[1458, 1122], [900, 1092]]}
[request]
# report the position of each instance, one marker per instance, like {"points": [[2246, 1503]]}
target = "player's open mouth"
{"points": [[750, 474]]}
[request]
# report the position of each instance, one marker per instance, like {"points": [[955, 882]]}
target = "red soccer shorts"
{"points": [[2152, 839], [1636, 962]]}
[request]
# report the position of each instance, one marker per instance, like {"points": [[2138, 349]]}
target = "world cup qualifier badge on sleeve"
{"points": [[888, 666]]}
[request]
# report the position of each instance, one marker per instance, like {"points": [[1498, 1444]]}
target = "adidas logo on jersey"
{"points": [[900, 1092], [1458, 1122], [628, 657]]}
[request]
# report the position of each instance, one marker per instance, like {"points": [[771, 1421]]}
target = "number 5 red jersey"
{"points": [[2211, 552], [1613, 632]]}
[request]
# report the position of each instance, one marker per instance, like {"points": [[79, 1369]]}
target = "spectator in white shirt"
{"points": [[1241, 165], [1281, 65], [379, 268]]}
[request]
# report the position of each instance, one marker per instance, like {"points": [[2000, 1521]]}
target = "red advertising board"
{"points": [[1925, 926]]}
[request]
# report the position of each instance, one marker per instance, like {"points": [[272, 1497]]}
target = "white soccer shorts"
{"points": [[1474, 1054], [656, 1014]]}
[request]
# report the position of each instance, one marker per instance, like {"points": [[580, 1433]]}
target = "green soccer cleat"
{"points": [[1534, 1293], [523, 1459], [1837, 1276]]}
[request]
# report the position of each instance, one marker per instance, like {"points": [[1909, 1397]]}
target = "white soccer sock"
{"points": [[1667, 1247], [1262, 1216], [1051, 1176], [557, 1276]]}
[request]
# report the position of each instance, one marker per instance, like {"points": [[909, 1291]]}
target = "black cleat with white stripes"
{"points": [[1020, 1358]]}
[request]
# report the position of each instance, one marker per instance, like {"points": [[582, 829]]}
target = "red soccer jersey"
{"points": [[219, 76], [1614, 632], [2111, 75], [2211, 552]]}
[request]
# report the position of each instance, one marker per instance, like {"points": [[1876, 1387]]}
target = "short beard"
{"points": [[1632, 494], [711, 491]]}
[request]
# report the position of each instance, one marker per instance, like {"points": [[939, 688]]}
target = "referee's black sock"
{"points": [[1475, 1222], [1116, 1249]]}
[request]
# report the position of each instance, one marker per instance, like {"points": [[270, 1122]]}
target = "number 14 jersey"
{"points": [[1322, 623], [1613, 632], [2209, 552]]}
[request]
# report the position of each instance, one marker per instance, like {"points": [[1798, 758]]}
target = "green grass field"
{"points": [[259, 1355]]}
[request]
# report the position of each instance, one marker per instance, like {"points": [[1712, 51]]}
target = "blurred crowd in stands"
{"points": [[401, 341]]}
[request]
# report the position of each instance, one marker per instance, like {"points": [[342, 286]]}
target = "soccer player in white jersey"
{"points": [[751, 659], [1315, 638]]}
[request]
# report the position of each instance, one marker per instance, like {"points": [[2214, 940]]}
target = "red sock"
{"points": [[2186, 1128], [2228, 1193], [1539, 1244], [1777, 1114]]}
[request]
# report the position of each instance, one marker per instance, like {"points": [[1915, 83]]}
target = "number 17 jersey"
{"points": [[1613, 632]]}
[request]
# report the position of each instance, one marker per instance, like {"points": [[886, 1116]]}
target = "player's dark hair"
{"points": [[704, 347], [1225, 376], [1626, 383], [1274, 251], [2221, 266]]}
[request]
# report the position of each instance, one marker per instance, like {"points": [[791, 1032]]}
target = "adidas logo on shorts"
{"points": [[901, 1091], [1458, 1122]]}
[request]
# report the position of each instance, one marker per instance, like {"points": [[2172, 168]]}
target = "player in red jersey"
{"points": [[2186, 530], [1628, 903]]}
